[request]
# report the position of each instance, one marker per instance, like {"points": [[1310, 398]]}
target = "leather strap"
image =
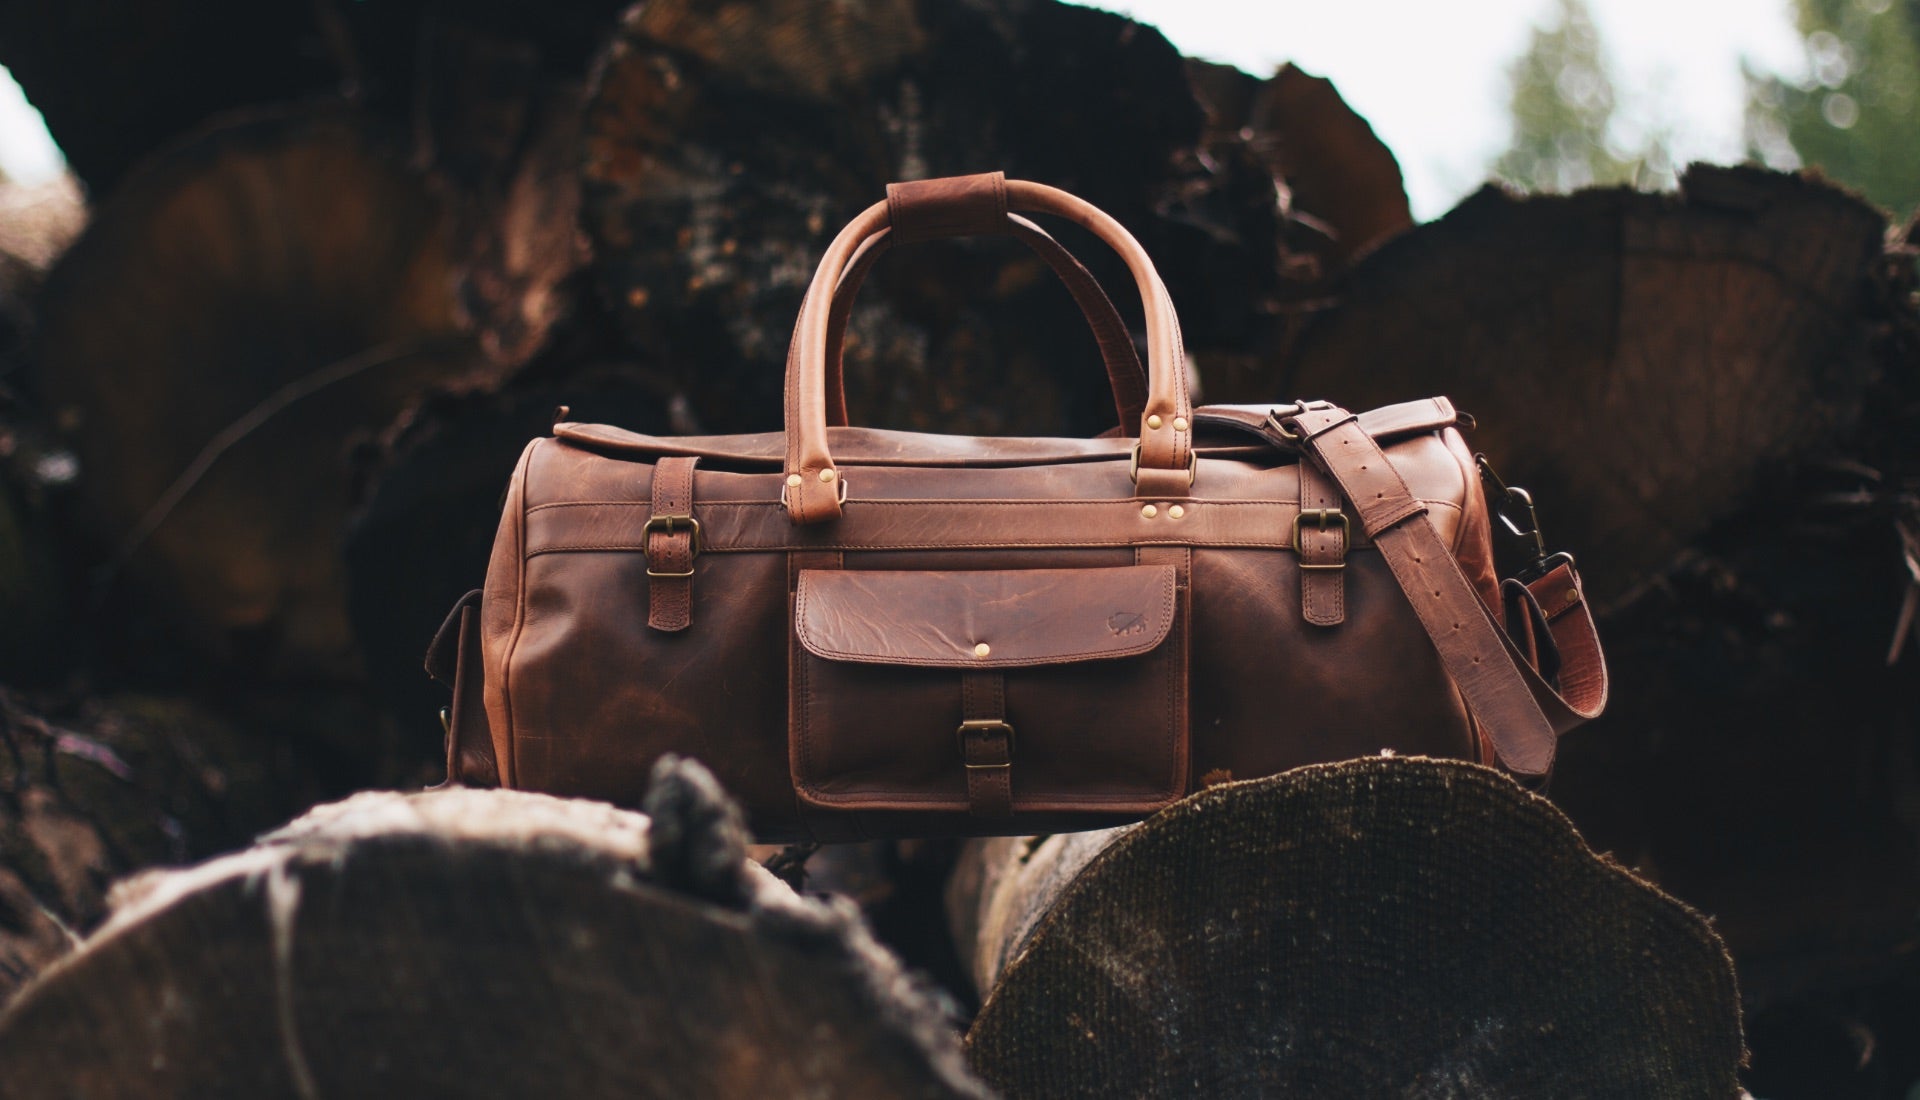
{"points": [[1321, 537], [672, 544], [1165, 456], [454, 659], [986, 743], [951, 206], [1124, 373], [1521, 713]]}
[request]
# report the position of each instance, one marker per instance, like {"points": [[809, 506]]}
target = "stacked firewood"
{"points": [[342, 260]]}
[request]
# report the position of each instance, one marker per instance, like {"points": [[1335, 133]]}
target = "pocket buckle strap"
{"points": [[973, 734]]}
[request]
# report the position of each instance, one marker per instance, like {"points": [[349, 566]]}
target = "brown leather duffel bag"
{"points": [[869, 633]]}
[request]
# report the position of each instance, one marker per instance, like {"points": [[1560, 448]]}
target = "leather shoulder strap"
{"points": [[1522, 714]]}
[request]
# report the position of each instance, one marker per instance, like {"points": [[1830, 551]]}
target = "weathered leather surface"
{"points": [[1091, 667], [1120, 620], [583, 696]]}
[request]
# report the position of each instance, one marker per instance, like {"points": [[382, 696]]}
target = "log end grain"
{"points": [[1372, 928]]}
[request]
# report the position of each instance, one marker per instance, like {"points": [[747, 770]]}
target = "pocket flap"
{"points": [[985, 618]]}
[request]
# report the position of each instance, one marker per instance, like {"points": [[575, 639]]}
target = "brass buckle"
{"points": [[1275, 415], [1133, 466], [1323, 518], [668, 525], [984, 725]]}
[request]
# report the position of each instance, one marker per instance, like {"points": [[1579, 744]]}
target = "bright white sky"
{"points": [[1430, 75]]}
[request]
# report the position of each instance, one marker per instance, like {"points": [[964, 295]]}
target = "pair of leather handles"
{"points": [[971, 206]]}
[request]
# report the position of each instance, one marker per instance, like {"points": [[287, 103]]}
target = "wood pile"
{"points": [[342, 260]]}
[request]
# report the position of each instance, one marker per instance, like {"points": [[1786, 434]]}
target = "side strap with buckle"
{"points": [[986, 743], [673, 542], [1521, 713], [1320, 536]]}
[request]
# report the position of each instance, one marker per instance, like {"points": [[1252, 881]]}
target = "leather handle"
{"points": [[1124, 372], [969, 204]]}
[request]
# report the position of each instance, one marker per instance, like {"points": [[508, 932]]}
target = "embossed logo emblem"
{"points": [[1123, 623]]}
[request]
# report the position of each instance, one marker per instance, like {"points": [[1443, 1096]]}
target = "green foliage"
{"points": [[1856, 114], [1563, 106]]}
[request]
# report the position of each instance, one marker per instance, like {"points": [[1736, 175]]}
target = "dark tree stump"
{"points": [[1371, 928], [482, 943]]}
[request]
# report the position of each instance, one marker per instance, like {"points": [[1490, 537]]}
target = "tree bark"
{"points": [[483, 943], [1377, 927], [99, 790]]}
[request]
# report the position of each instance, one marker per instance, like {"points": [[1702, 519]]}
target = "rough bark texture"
{"points": [[482, 943], [1646, 360], [92, 792], [1372, 928], [722, 151]]}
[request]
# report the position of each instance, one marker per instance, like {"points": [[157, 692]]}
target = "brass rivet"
{"points": [[1179, 423], [1573, 595], [1153, 421], [982, 650], [826, 475], [793, 480], [1176, 511], [1149, 511]]}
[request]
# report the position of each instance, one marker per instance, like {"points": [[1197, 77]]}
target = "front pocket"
{"points": [[1074, 681]]}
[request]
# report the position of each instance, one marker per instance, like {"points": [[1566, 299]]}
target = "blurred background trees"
{"points": [[1566, 130], [1852, 115]]}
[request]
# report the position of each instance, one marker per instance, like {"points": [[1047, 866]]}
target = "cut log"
{"points": [[1372, 928], [1334, 167], [95, 791], [1640, 362], [227, 324], [483, 943], [1758, 754], [119, 79]]}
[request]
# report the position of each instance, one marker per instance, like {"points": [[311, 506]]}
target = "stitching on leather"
{"points": [[511, 768], [968, 502], [818, 649], [799, 671], [1175, 671]]}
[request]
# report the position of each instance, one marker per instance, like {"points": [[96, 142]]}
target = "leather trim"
{"points": [[1025, 617], [1519, 711], [470, 756], [671, 553], [952, 206], [880, 446], [735, 527], [443, 653]]}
